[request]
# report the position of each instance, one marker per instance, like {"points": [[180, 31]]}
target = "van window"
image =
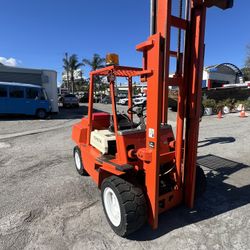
{"points": [[32, 93], [3, 91], [16, 92]]}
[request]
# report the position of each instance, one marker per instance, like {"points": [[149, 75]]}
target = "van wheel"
{"points": [[124, 205], [78, 161], [41, 114]]}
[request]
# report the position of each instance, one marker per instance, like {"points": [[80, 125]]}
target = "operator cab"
{"points": [[103, 136], [108, 129]]}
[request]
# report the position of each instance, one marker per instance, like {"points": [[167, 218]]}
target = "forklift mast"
{"points": [[188, 77]]}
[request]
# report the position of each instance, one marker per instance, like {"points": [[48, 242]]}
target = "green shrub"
{"points": [[245, 103], [209, 103], [220, 105], [230, 103]]}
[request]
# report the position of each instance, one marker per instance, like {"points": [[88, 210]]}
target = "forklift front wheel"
{"points": [[78, 162], [124, 205]]}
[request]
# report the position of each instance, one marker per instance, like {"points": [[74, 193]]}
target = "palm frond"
{"points": [[95, 63], [86, 61]]}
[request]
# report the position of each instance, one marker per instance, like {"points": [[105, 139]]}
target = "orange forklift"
{"points": [[141, 167]]}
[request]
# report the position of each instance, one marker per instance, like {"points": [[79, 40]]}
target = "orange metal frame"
{"points": [[156, 146]]}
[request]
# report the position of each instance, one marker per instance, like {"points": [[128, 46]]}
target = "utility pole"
{"points": [[67, 69]]}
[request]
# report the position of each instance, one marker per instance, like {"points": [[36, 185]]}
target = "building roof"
{"points": [[225, 68], [4, 68], [19, 84]]}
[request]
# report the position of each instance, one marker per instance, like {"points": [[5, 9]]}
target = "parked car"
{"points": [[70, 100], [140, 100], [83, 98], [106, 100], [25, 99], [137, 99], [123, 101]]}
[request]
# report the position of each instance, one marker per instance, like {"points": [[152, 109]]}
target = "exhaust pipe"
{"points": [[152, 17]]}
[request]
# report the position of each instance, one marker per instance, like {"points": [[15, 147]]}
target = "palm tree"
{"points": [[70, 65], [95, 63], [66, 68], [74, 65]]}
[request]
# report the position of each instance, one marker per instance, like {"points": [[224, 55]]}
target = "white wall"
{"points": [[222, 77], [218, 76], [50, 84], [205, 75]]}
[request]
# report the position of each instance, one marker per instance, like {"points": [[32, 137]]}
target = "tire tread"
{"points": [[82, 171], [133, 203]]}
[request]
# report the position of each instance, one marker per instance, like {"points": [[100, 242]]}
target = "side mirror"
{"points": [[222, 4]]}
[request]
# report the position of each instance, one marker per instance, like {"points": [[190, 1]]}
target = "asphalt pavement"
{"points": [[45, 204]]}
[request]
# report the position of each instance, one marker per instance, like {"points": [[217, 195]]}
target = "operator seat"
{"points": [[124, 123]]}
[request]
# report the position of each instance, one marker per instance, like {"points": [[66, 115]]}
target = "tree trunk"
{"points": [[72, 83], [67, 80]]}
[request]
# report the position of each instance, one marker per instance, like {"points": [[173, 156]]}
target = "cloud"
{"points": [[9, 61]]}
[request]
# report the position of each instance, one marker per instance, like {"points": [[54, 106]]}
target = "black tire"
{"points": [[132, 203], [174, 108], [201, 182], [79, 166], [41, 114]]}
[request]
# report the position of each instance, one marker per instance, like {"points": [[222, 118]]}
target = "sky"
{"points": [[37, 33]]}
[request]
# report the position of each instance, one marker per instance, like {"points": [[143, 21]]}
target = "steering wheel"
{"points": [[137, 109]]}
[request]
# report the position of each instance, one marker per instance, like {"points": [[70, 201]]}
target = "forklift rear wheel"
{"points": [[78, 162], [124, 205]]}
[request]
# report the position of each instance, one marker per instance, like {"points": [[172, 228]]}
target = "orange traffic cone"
{"points": [[220, 115], [243, 113]]}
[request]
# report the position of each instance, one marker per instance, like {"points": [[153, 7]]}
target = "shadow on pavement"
{"points": [[64, 113], [219, 198], [70, 113], [214, 140]]}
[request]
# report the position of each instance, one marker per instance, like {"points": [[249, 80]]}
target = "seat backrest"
{"points": [[101, 120], [124, 122]]}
